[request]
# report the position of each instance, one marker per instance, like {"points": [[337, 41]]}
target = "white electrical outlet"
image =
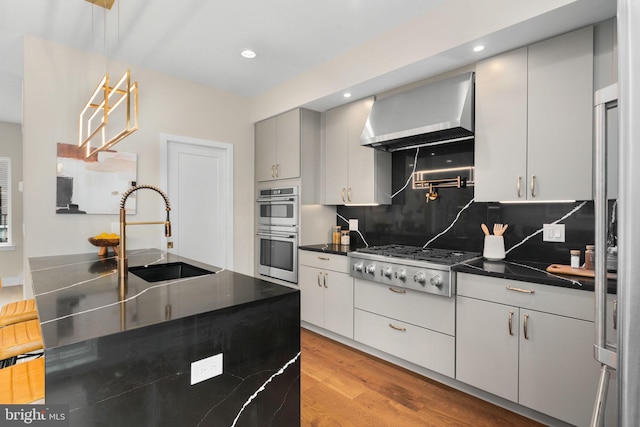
{"points": [[204, 369], [553, 232], [353, 225]]}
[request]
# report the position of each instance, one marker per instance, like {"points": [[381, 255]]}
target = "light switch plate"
{"points": [[553, 232], [353, 225], [204, 369]]}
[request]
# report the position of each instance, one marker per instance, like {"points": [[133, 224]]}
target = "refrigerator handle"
{"points": [[606, 357]]}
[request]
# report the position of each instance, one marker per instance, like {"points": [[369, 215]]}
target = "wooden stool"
{"points": [[18, 311], [18, 339], [22, 383]]}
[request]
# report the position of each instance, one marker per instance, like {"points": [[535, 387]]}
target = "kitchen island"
{"points": [[122, 356]]}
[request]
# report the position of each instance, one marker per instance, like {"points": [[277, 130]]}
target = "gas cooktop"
{"points": [[412, 267], [442, 256]]}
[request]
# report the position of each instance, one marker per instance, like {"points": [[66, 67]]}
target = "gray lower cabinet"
{"points": [[326, 291], [395, 321], [528, 343]]}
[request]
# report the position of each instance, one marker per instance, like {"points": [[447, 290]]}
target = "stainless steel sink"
{"points": [[169, 271]]}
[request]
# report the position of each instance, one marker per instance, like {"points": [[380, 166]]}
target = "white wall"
{"points": [[430, 37], [57, 82], [11, 259]]}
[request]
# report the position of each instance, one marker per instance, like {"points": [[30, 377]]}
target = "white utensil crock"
{"points": [[493, 247]]}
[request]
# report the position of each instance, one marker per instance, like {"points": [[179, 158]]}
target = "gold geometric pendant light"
{"points": [[105, 100], [103, 105]]}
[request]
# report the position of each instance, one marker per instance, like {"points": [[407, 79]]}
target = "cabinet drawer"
{"points": [[551, 299], [431, 350], [324, 261], [418, 308]]}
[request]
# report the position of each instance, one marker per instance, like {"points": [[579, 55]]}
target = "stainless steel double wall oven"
{"points": [[278, 233]]}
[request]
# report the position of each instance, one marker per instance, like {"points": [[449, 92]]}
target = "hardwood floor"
{"points": [[344, 387]]}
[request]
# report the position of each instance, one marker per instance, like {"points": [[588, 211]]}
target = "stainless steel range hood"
{"points": [[437, 113]]}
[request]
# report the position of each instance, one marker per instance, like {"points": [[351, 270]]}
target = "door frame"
{"points": [[165, 139]]}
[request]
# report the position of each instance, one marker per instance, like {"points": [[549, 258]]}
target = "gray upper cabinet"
{"points": [[353, 174], [501, 127], [534, 109], [277, 150]]}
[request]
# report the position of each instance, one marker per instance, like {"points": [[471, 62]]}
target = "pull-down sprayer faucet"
{"points": [[122, 253]]}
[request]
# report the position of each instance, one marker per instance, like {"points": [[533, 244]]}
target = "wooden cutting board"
{"points": [[582, 272]]}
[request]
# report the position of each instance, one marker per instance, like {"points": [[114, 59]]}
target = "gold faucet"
{"points": [[122, 253]]}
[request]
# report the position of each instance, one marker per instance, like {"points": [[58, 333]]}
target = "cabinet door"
{"points": [[288, 146], [335, 156], [361, 180], [311, 295], [486, 352], [560, 117], [501, 128], [558, 374], [265, 149], [338, 303]]}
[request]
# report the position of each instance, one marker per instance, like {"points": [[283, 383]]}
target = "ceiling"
{"points": [[201, 40]]}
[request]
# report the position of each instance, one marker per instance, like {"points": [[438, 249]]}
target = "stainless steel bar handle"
{"points": [[325, 280], [600, 227], [319, 278], [518, 185], [526, 327], [323, 258], [397, 291], [277, 170], [615, 314], [342, 193], [273, 171], [349, 194], [606, 356], [525, 291], [533, 186], [397, 328], [285, 236], [511, 323]]}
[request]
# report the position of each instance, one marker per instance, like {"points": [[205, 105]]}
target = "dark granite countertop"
{"points": [[527, 271], [329, 248], [78, 296]]}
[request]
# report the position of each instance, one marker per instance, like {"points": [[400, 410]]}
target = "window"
{"points": [[5, 201]]}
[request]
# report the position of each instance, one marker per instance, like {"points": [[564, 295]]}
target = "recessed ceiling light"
{"points": [[347, 94], [478, 48], [248, 53]]}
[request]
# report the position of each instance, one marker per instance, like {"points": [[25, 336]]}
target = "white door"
{"points": [[199, 186]]}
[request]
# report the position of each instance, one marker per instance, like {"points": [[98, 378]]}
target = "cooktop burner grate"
{"points": [[443, 256]]}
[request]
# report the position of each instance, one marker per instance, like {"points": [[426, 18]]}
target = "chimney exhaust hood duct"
{"points": [[437, 113]]}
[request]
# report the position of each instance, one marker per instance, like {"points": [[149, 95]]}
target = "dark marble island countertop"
{"points": [[78, 295], [130, 360], [528, 271]]}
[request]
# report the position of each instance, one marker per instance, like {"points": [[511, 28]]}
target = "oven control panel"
{"points": [[418, 278]]}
